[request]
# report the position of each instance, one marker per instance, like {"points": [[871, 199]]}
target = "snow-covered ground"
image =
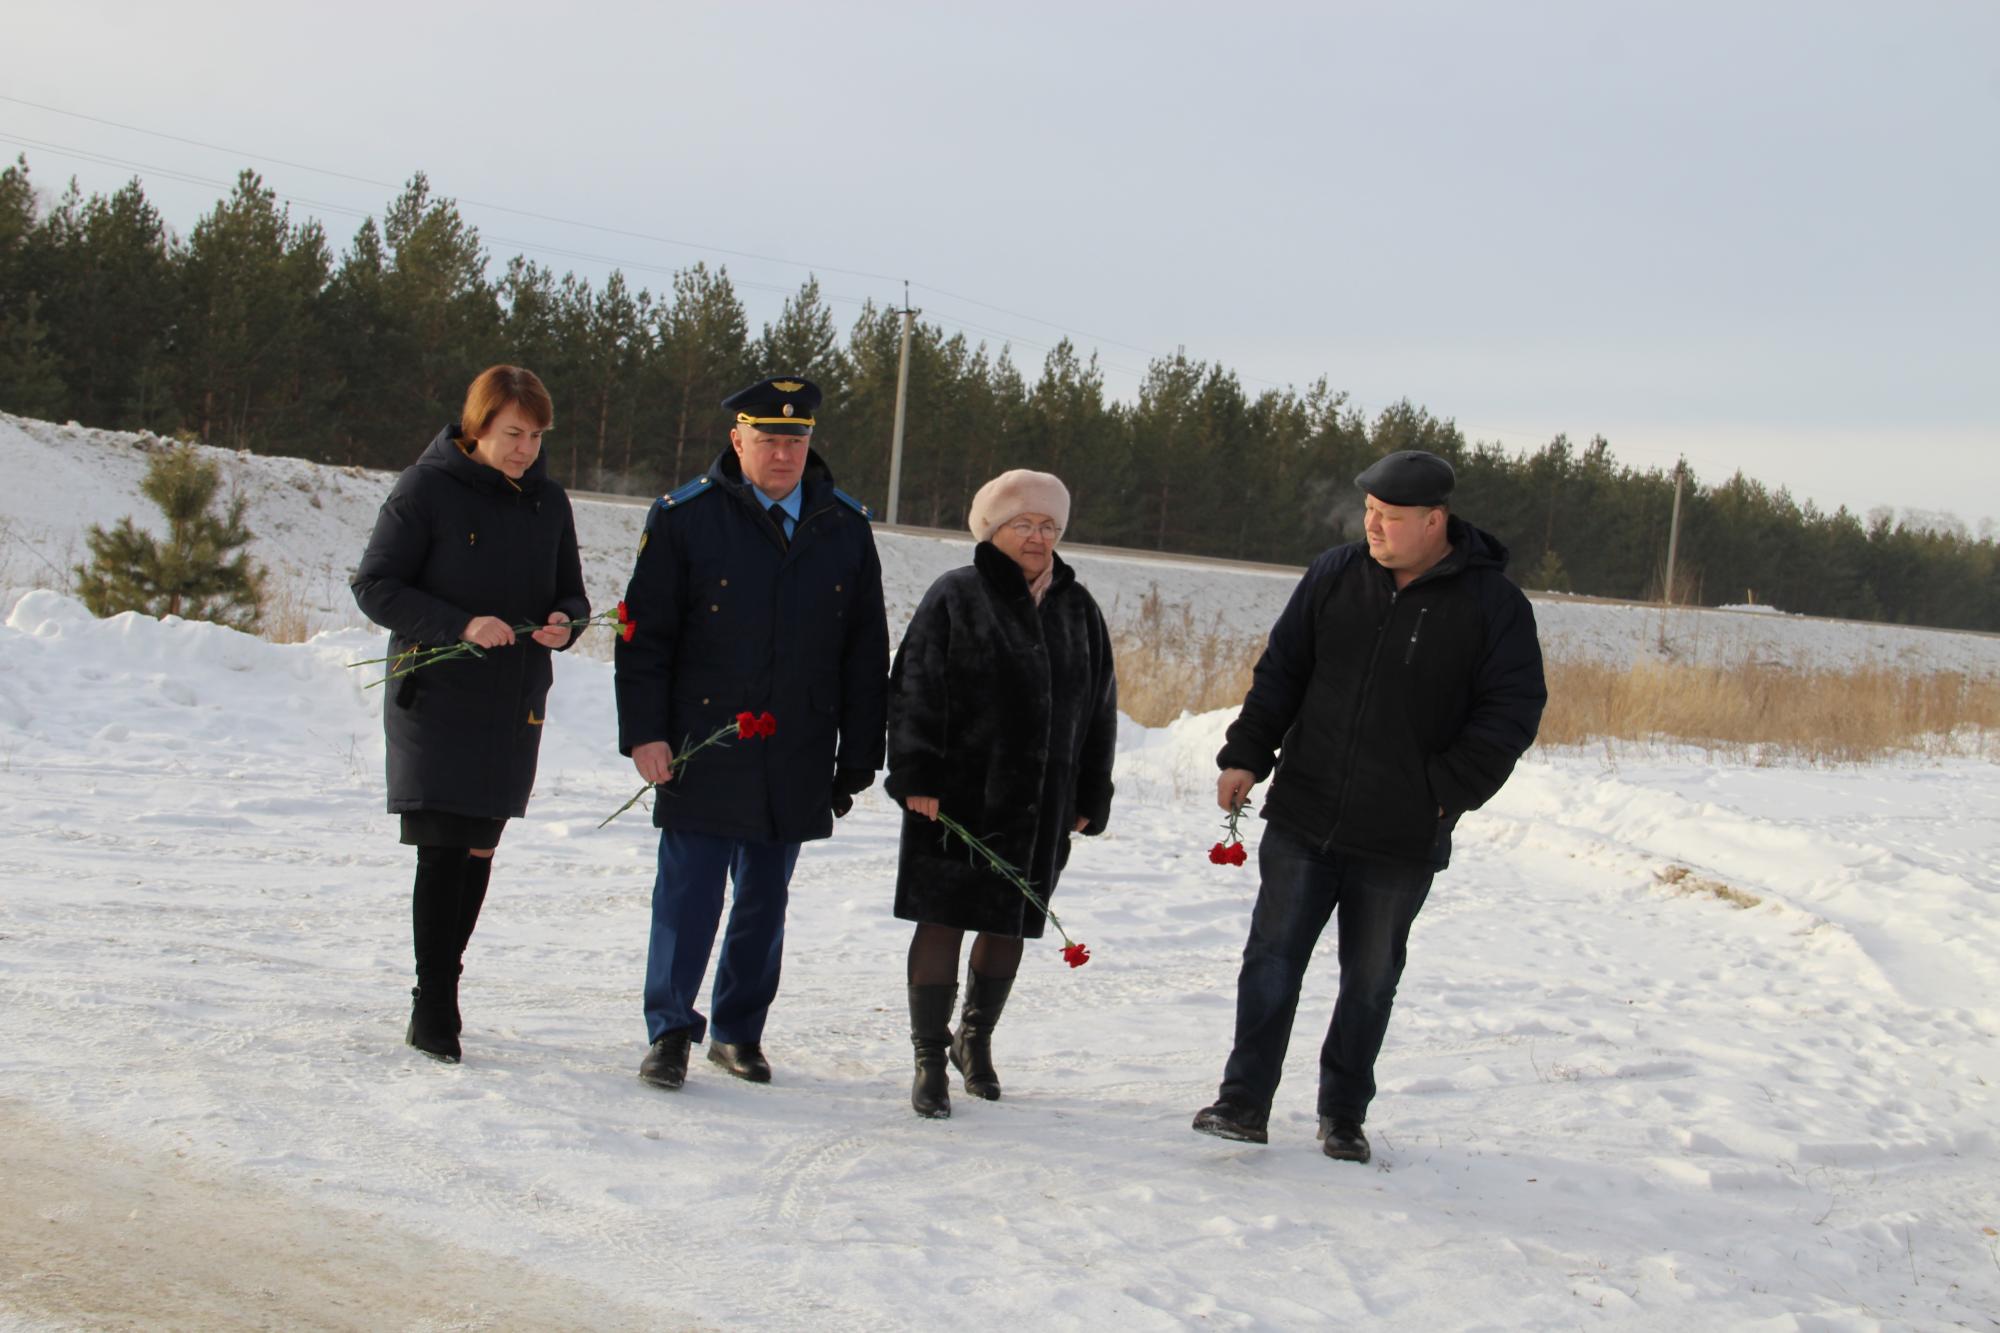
{"points": [[1611, 1097]]}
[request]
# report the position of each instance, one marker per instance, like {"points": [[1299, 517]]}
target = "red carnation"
{"points": [[1076, 955], [1230, 851], [747, 727], [625, 623]]}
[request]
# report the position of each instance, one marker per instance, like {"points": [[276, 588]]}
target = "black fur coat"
{"points": [[1008, 713]]}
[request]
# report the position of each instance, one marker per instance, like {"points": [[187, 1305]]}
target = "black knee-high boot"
{"points": [[434, 927], [930, 1032], [471, 897], [972, 1047]]}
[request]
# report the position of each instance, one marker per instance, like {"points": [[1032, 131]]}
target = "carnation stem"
{"points": [[687, 752], [1004, 868]]}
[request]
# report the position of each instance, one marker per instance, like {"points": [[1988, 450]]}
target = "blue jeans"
{"points": [[687, 907], [1301, 888]]}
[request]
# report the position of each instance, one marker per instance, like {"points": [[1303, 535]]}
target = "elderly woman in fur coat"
{"points": [[1003, 714]]}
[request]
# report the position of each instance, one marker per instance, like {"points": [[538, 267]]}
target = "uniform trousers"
{"points": [[687, 906], [1302, 887]]}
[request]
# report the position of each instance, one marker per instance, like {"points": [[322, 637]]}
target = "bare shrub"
{"points": [[23, 564]]}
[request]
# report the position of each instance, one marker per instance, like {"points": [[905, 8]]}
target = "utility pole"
{"points": [[902, 394], [1674, 532]]}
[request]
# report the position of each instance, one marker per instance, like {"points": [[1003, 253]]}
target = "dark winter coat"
{"points": [[456, 540], [730, 619], [1007, 713], [1389, 705]]}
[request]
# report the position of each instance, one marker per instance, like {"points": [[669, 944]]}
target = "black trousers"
{"points": [[1302, 888]]}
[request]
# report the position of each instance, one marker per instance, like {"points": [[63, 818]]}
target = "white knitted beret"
{"points": [[1012, 494]]}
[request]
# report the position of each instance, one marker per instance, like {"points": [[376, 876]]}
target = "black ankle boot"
{"points": [[435, 1000], [930, 1033], [972, 1047]]}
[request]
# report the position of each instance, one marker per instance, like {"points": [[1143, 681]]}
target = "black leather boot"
{"points": [[972, 1046], [432, 1014], [930, 1033], [434, 929], [478, 870], [1343, 1139]]}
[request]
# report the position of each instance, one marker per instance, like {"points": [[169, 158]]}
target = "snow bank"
{"points": [[1604, 1100]]}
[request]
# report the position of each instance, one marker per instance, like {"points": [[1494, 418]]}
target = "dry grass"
{"points": [[285, 612], [1169, 663], [1685, 882], [1766, 714], [1751, 713]]}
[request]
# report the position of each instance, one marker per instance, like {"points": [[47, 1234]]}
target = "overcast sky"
{"points": [[1759, 235]]}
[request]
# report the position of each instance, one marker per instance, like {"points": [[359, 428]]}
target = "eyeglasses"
{"points": [[1023, 529]]}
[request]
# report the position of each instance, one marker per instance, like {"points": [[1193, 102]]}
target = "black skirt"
{"points": [[441, 828]]}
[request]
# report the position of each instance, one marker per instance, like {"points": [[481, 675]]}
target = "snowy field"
{"points": [[1611, 1096]]}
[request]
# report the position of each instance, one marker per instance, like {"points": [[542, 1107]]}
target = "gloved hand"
{"points": [[846, 783]]}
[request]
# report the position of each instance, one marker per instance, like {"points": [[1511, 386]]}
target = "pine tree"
{"points": [[704, 355], [108, 300], [804, 340], [200, 572], [250, 288], [30, 377], [366, 346], [1549, 574], [445, 313]]}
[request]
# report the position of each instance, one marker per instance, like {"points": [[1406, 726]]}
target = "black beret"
{"points": [[781, 406], [1408, 477]]}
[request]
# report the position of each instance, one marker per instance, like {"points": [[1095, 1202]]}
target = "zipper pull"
{"points": [[1410, 653]]}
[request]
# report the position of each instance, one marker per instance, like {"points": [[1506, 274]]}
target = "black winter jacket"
{"points": [[455, 540], [1387, 705], [1008, 714], [730, 619]]}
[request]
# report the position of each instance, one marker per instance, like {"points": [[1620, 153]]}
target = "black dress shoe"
{"points": [[1233, 1120], [745, 1060], [666, 1062], [1342, 1139]]}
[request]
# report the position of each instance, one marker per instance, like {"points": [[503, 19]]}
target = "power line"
{"points": [[1067, 330], [543, 249], [477, 203]]}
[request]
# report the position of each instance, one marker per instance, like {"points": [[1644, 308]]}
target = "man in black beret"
{"points": [[1402, 682], [757, 591]]}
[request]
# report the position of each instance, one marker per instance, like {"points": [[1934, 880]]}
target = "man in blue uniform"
{"points": [[757, 589], [1401, 684]]}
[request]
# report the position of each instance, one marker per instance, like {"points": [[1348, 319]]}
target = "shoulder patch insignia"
{"points": [[853, 503], [644, 537]]}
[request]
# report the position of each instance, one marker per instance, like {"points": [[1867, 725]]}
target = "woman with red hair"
{"points": [[474, 545]]}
